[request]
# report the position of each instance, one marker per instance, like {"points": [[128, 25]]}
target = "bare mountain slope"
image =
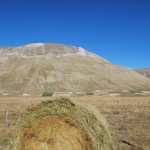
{"points": [[144, 71], [39, 67]]}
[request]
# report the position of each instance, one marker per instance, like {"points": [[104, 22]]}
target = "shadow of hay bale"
{"points": [[61, 124]]}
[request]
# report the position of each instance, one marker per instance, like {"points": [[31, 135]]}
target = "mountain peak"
{"points": [[35, 45], [50, 49], [39, 67], [47, 50]]}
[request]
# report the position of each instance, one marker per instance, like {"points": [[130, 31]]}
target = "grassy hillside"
{"points": [[38, 68]]}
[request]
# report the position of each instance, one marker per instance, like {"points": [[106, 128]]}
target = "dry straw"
{"points": [[60, 124]]}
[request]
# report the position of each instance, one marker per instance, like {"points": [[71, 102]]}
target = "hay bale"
{"points": [[61, 124]]}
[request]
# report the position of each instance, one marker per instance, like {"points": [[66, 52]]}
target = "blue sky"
{"points": [[118, 30]]}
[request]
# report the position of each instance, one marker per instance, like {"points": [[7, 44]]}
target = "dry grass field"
{"points": [[128, 118]]}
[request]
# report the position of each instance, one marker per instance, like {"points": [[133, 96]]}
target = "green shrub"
{"points": [[89, 93], [47, 94]]}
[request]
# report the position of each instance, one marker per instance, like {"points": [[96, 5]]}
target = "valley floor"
{"points": [[128, 118]]}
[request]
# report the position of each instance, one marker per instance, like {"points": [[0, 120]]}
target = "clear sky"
{"points": [[117, 30]]}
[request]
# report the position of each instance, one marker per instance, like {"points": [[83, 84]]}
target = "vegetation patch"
{"points": [[89, 93], [47, 94]]}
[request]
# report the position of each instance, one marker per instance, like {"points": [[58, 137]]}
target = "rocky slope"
{"points": [[35, 68]]}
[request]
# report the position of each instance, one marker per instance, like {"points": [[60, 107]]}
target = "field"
{"points": [[128, 118]]}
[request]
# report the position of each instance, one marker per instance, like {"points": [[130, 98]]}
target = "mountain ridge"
{"points": [[36, 68]]}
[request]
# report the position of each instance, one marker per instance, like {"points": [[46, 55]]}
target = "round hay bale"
{"points": [[61, 124]]}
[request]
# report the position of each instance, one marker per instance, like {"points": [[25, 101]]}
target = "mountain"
{"points": [[39, 67], [144, 71]]}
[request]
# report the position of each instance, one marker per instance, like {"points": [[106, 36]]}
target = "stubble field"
{"points": [[128, 118]]}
